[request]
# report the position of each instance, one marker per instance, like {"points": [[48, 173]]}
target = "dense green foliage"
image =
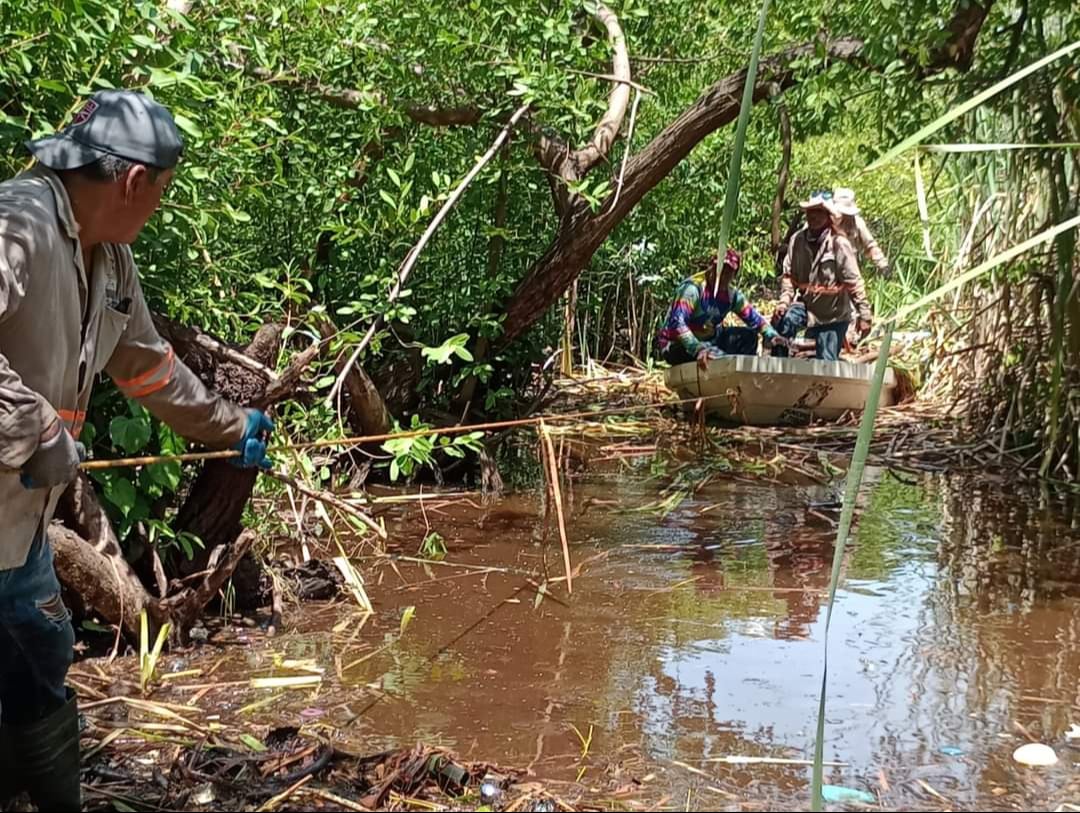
{"points": [[309, 172]]}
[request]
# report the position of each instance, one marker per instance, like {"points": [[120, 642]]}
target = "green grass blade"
{"points": [[924, 212], [969, 105], [731, 198], [999, 147], [982, 268], [851, 492]]}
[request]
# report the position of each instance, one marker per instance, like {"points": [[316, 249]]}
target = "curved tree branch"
{"points": [[581, 232], [584, 159]]}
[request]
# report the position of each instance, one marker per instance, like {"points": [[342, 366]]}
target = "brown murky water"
{"points": [[695, 637]]}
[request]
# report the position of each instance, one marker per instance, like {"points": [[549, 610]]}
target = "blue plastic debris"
{"points": [[838, 793], [951, 751]]}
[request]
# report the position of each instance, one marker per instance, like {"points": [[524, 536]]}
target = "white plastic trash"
{"points": [[1035, 754]]}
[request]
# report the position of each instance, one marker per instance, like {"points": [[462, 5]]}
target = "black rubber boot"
{"points": [[9, 771], [48, 758]]}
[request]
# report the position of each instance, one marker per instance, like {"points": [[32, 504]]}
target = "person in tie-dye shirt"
{"points": [[694, 328]]}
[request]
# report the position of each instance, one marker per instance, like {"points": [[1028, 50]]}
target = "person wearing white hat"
{"points": [[850, 223], [820, 266]]}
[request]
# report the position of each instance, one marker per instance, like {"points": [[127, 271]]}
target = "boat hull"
{"points": [[765, 390]]}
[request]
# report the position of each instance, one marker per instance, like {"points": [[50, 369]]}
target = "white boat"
{"points": [[766, 390]]}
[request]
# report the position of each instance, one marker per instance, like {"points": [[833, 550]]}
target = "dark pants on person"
{"points": [[829, 338], [36, 639], [39, 716], [728, 341]]}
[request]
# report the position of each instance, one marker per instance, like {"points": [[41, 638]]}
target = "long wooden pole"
{"points": [[227, 454], [556, 490]]}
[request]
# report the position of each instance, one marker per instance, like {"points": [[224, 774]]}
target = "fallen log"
{"points": [[103, 582]]}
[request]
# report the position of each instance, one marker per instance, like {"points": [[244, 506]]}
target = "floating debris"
{"points": [[1036, 755], [838, 794]]}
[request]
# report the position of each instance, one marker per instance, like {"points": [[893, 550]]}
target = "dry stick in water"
{"points": [[328, 498], [284, 795], [414, 254], [553, 478]]}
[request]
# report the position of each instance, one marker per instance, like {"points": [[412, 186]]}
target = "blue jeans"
{"points": [[36, 638], [829, 338], [728, 341]]}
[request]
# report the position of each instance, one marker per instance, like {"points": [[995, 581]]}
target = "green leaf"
{"points": [[130, 434], [253, 743], [394, 177], [273, 125], [167, 475], [163, 78], [237, 215], [851, 494], [406, 618], [387, 197], [121, 493]]}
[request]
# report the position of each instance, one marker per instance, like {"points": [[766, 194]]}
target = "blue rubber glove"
{"points": [[252, 446]]}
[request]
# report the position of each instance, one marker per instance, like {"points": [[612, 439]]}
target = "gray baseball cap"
{"points": [[122, 123]]}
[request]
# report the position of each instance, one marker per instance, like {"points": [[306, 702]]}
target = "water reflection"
{"points": [[699, 636]]}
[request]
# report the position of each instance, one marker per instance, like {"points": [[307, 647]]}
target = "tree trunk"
{"points": [[91, 564], [367, 413], [102, 581], [215, 504]]}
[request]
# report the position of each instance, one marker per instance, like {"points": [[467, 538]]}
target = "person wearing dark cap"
{"points": [[71, 307]]}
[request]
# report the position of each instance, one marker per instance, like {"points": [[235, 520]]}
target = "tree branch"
{"points": [[781, 173], [352, 99], [964, 27], [584, 159]]}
